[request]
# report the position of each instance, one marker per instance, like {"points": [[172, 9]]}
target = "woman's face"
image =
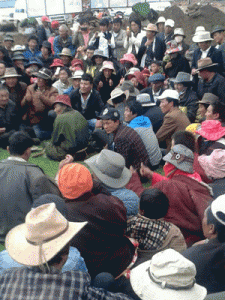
{"points": [[98, 60], [134, 27], [107, 73]]}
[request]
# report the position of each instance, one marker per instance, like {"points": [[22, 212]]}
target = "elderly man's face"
{"points": [[4, 98], [63, 32]]}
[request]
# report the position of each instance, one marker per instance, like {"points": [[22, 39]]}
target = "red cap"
{"points": [[45, 19], [57, 62], [64, 99], [55, 24], [77, 62]]}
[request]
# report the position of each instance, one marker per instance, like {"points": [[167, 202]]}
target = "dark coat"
{"points": [[148, 90], [155, 115], [8, 117], [106, 89], [16, 95], [160, 48], [94, 104], [41, 34], [189, 100], [215, 86], [17, 195], [188, 200], [102, 242], [209, 260], [213, 53], [179, 64]]}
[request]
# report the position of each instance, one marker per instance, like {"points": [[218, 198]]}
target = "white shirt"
{"points": [[205, 53]]}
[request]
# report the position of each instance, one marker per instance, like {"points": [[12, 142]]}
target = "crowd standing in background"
{"points": [[143, 217]]}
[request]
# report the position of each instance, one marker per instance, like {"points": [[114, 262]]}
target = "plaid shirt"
{"points": [[32, 284], [150, 234], [128, 143]]}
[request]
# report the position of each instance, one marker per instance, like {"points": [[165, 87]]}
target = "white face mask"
{"points": [[179, 38]]}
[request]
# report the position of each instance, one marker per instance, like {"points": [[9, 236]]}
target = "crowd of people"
{"points": [[113, 227]]}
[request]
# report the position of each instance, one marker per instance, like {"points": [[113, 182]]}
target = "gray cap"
{"points": [[181, 157]]}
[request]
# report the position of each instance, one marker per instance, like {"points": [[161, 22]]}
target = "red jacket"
{"points": [[188, 200]]}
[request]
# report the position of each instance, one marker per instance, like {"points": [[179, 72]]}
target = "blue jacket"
{"points": [[28, 54], [140, 121], [58, 45]]}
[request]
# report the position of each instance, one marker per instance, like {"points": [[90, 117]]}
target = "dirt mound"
{"points": [[209, 17]]}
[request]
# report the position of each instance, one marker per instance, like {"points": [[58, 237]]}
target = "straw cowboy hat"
{"points": [[110, 168], [202, 36], [10, 72], [117, 92], [66, 52], [205, 63], [45, 232], [168, 275], [151, 27]]}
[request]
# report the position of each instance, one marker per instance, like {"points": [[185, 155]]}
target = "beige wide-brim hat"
{"points": [[10, 72], [46, 224], [205, 63], [166, 270], [66, 52], [117, 92], [151, 27], [110, 168]]}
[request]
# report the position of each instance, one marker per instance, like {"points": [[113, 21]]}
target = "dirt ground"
{"points": [[209, 17]]}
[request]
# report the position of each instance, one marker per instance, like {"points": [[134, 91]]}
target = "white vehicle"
{"points": [[60, 10]]}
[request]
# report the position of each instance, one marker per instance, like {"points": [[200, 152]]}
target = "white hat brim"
{"points": [[28, 254], [146, 289], [109, 181]]}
